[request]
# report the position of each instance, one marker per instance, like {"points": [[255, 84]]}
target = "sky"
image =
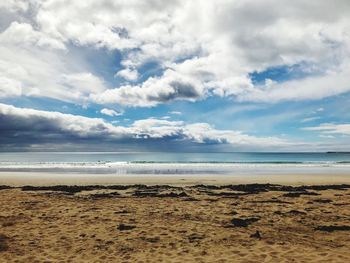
{"points": [[157, 75]]}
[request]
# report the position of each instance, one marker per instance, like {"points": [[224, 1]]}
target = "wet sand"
{"points": [[66, 178], [202, 223]]}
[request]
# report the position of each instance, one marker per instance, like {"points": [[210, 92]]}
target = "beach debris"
{"points": [[225, 194], [256, 235], [277, 201], [333, 228], [173, 194], [341, 204], [290, 212], [104, 195], [156, 190], [72, 189], [4, 187], [6, 221], [322, 200], [195, 237], [293, 191], [145, 193], [157, 193], [151, 239], [124, 227], [298, 194], [124, 211], [244, 222], [3, 243], [190, 199], [296, 212]]}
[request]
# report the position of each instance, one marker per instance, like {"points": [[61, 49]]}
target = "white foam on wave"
{"points": [[174, 168]]}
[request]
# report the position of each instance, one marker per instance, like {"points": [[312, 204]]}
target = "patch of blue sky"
{"points": [[149, 69], [143, 113], [40, 103], [280, 119], [284, 73], [154, 68]]}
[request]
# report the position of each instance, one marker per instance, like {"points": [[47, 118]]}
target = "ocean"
{"points": [[165, 157], [174, 163]]}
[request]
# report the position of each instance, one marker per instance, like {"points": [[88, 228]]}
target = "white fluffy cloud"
{"points": [[241, 37], [203, 48], [33, 65], [153, 91], [14, 5], [24, 34], [315, 87], [9, 87], [175, 112], [111, 113], [128, 74]]}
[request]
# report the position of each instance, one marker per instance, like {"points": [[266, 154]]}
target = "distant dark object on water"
{"points": [[338, 152]]}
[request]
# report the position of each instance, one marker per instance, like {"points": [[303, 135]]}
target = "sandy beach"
{"points": [[203, 219]]}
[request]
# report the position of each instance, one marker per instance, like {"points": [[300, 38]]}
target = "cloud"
{"points": [[83, 83], [23, 34], [310, 119], [204, 133], [309, 88], [29, 69], [197, 57], [326, 136], [9, 87], [221, 57], [329, 128], [152, 92], [128, 74], [29, 126], [175, 112], [14, 5], [17, 121], [110, 112]]}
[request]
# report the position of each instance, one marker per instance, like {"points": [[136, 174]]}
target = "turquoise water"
{"points": [[162, 157]]}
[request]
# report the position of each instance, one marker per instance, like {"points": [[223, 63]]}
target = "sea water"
{"points": [[165, 157], [174, 163]]}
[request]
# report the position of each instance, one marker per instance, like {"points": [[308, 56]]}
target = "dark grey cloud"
{"points": [[179, 90], [28, 128]]}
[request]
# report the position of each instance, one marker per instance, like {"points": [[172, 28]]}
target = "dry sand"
{"points": [[175, 224]]}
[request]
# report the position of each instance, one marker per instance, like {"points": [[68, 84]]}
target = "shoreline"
{"points": [[50, 179]]}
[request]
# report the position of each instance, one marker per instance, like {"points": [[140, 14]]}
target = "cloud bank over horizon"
{"points": [[257, 71], [22, 126]]}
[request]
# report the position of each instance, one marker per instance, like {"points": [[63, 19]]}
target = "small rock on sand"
{"points": [[256, 235], [123, 227], [243, 222]]}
